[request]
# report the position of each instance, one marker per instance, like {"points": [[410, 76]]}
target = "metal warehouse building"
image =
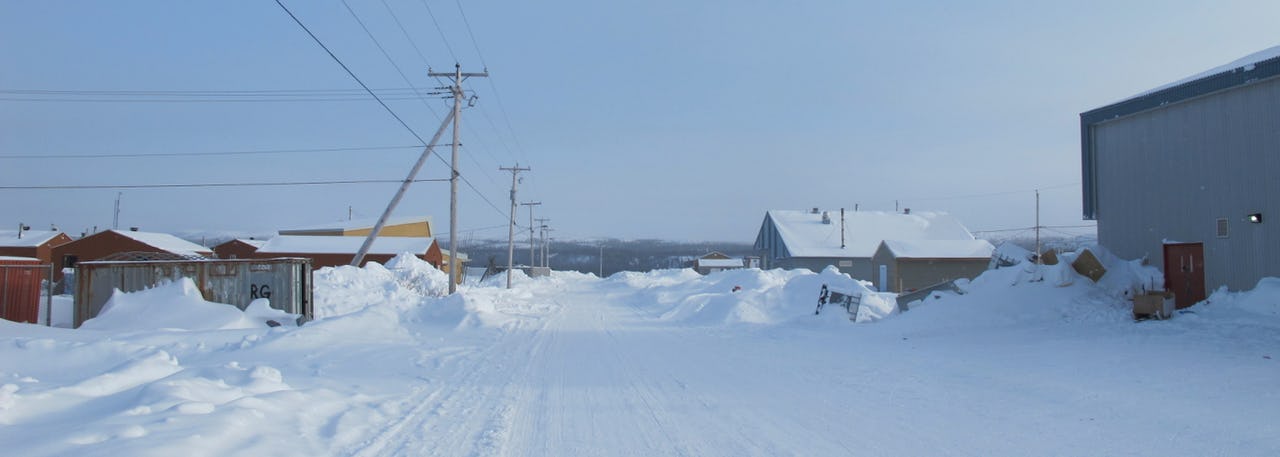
{"points": [[1189, 175]]}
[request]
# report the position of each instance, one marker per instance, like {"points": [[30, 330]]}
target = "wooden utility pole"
{"points": [[458, 76], [532, 260], [542, 228], [511, 221]]}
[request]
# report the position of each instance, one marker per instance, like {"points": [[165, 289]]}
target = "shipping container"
{"points": [[21, 283], [286, 282]]}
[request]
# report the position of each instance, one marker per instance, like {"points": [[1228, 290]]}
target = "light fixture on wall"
{"points": [[1255, 218]]}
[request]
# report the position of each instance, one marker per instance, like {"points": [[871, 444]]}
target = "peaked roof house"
{"points": [[716, 261], [238, 248], [125, 245], [36, 244], [331, 251], [814, 239]]}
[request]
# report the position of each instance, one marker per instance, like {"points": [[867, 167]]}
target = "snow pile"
{"points": [[178, 305], [748, 296], [403, 283]]}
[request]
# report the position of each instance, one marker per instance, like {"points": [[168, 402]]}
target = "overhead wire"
{"points": [[349, 72], [200, 154], [221, 184], [492, 84], [443, 38]]}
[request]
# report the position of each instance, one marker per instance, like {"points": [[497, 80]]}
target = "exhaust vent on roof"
{"points": [[826, 218]]}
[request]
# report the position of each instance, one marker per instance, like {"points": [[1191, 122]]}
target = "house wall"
{"points": [[416, 229], [906, 275], [433, 256], [1170, 173]]}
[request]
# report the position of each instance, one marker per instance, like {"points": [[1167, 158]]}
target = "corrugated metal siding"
{"points": [[1170, 173], [285, 282]]}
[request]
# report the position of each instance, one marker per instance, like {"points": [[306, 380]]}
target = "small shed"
{"points": [[238, 249], [120, 243], [905, 266], [332, 251], [37, 244]]}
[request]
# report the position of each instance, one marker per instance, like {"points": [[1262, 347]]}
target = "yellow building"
{"points": [[409, 226]]}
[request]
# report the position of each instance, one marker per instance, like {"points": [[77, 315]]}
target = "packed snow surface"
{"points": [[1028, 361]]}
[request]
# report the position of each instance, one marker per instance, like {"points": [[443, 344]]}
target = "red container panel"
{"points": [[20, 282]]}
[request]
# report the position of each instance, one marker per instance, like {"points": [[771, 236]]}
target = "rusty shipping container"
{"points": [[286, 282], [21, 281]]}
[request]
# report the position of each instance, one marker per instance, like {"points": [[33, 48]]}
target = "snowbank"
{"points": [[178, 305]]}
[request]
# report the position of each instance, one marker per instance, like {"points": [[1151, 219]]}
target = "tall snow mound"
{"points": [[404, 282], [177, 305], [748, 296]]}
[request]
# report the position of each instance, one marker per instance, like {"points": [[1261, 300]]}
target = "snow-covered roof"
{"points": [[356, 224], [302, 244], [166, 242], [254, 243], [30, 238], [1243, 64], [720, 263], [940, 249], [18, 259], [806, 236]]}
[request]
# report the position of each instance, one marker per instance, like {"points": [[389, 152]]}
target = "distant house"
{"points": [[125, 245], [238, 249], [37, 244], [331, 251], [905, 266], [715, 262], [815, 239], [409, 226]]}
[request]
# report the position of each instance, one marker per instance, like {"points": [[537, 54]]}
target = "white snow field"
{"points": [[662, 363]]}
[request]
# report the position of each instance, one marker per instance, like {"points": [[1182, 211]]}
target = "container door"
{"points": [[884, 278], [1184, 272]]}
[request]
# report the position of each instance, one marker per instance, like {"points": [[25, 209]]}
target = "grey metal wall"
{"points": [[285, 282], [1169, 173]]}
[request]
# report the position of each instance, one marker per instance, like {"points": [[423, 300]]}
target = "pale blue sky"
{"points": [[655, 119]]}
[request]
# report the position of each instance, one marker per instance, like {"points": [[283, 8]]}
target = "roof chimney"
{"points": [[813, 211], [826, 218], [906, 210]]}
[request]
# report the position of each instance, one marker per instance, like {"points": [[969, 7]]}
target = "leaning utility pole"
{"points": [[532, 261], [395, 200], [511, 221], [456, 88]]}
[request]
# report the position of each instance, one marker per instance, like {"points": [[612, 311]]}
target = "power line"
{"points": [[196, 100], [388, 57], [441, 30], [406, 33], [211, 93], [221, 184], [200, 154], [349, 72]]}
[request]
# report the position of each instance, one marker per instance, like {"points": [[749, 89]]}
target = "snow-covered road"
{"points": [[662, 363]]}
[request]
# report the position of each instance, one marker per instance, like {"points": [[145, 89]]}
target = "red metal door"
{"points": [[1184, 272]]}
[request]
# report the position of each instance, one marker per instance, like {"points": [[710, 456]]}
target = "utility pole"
{"points": [[602, 261], [456, 88], [542, 227], [115, 221], [1038, 260], [532, 261], [546, 246], [511, 221]]}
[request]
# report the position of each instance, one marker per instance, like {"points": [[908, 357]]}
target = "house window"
{"points": [[1223, 227], [846, 263]]}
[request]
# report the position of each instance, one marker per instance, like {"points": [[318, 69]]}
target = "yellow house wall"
{"points": [[416, 229]]}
